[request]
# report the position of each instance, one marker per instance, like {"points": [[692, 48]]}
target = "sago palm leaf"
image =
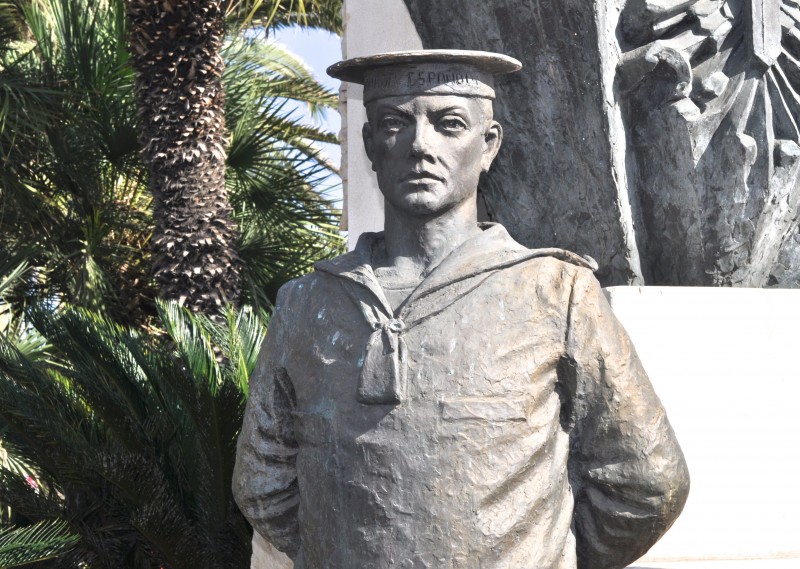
{"points": [[12, 462], [30, 493], [242, 342], [134, 433], [42, 416], [13, 266], [24, 545], [218, 392]]}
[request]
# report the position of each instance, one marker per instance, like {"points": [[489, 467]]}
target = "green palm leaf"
{"points": [[74, 190], [324, 14], [275, 168], [136, 432], [123, 410], [272, 70], [44, 540], [10, 28]]}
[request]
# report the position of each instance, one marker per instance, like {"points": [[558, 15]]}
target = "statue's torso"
{"points": [[470, 468], [498, 418]]}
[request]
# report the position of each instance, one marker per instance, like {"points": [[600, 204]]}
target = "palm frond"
{"points": [[27, 491], [324, 14], [24, 104], [25, 545], [10, 28], [274, 168], [73, 184], [245, 334], [94, 409], [112, 412], [272, 70], [102, 372], [41, 415], [192, 342], [13, 265], [75, 189]]}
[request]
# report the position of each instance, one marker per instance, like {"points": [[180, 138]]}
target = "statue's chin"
{"points": [[427, 199], [418, 199]]}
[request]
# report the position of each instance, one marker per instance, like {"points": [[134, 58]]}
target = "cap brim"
{"points": [[353, 70]]}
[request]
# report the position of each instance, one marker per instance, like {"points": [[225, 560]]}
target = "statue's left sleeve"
{"points": [[265, 475], [627, 471]]}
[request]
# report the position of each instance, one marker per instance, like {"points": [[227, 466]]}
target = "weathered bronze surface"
{"points": [[443, 396], [674, 124]]}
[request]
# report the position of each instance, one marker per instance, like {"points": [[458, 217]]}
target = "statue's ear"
{"points": [[492, 140], [366, 134]]}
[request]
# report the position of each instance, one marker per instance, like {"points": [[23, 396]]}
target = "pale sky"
{"points": [[319, 49]]}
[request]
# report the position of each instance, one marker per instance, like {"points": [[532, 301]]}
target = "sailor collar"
{"points": [[383, 374]]}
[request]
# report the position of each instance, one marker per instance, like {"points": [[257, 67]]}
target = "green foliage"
{"points": [[41, 541], [274, 167], [76, 209], [120, 413], [132, 437], [74, 200], [323, 14]]}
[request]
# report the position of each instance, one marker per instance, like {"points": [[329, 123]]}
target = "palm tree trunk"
{"points": [[175, 47]]}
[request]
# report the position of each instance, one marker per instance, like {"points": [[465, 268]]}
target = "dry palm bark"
{"points": [[175, 47]]}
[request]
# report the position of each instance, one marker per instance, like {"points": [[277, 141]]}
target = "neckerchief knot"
{"points": [[383, 376]]}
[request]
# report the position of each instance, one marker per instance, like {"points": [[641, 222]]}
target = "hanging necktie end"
{"points": [[383, 376]]}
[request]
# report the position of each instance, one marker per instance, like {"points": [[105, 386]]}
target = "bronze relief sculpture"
{"points": [[443, 396]]}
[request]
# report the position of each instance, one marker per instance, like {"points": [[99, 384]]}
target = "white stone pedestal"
{"points": [[267, 557], [726, 364]]}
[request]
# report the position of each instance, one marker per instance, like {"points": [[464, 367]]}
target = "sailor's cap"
{"points": [[426, 72]]}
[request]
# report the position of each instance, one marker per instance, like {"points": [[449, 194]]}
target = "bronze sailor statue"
{"points": [[443, 397]]}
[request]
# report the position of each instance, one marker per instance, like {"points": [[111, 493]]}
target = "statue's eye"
{"points": [[392, 123], [452, 124]]}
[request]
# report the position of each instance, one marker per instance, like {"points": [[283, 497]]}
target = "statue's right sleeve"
{"points": [[265, 477], [627, 472]]}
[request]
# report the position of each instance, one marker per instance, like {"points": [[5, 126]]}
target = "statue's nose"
{"points": [[420, 145]]}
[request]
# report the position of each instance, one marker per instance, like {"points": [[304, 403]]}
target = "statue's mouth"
{"points": [[422, 177]]}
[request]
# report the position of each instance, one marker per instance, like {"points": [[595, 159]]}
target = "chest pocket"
{"points": [[494, 409]]}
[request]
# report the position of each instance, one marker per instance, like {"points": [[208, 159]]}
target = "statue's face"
{"points": [[429, 151]]}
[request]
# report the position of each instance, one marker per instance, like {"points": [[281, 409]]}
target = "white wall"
{"points": [[371, 26], [725, 364], [267, 557]]}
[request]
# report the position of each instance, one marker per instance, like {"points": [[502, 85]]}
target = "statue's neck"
{"points": [[415, 245]]}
